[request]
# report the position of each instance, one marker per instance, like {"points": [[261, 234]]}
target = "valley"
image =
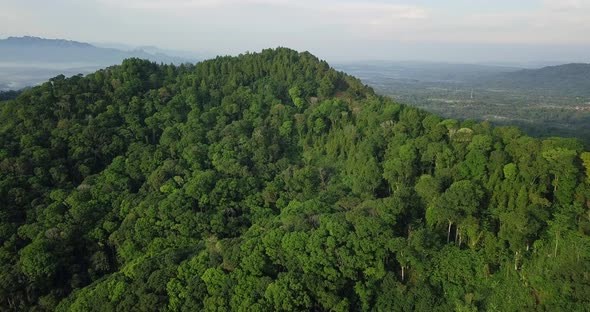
{"points": [[478, 94]]}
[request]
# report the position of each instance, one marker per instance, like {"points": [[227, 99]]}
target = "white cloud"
{"points": [[310, 18], [348, 7], [551, 22], [566, 5]]}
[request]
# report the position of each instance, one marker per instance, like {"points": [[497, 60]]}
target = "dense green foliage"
{"points": [[8, 95], [270, 181]]}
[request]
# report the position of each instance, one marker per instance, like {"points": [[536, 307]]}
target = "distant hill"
{"points": [[28, 41], [568, 79], [40, 50], [8, 95], [26, 61]]}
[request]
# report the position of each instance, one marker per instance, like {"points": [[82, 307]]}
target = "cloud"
{"points": [[273, 19], [397, 10], [232, 26], [332, 9], [548, 22], [566, 5], [544, 21], [383, 12]]}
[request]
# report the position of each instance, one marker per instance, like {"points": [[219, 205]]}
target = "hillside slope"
{"points": [[270, 181], [567, 80]]}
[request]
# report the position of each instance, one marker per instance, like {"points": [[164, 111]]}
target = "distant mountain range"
{"points": [[40, 50], [26, 61]]}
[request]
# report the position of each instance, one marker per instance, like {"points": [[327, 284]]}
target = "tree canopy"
{"points": [[269, 181]]}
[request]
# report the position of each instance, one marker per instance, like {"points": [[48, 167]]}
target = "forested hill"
{"points": [[30, 61], [269, 181], [568, 79]]}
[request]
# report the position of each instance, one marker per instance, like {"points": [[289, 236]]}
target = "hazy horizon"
{"points": [[480, 31]]}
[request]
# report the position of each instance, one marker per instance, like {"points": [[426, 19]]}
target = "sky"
{"points": [[337, 30]]}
